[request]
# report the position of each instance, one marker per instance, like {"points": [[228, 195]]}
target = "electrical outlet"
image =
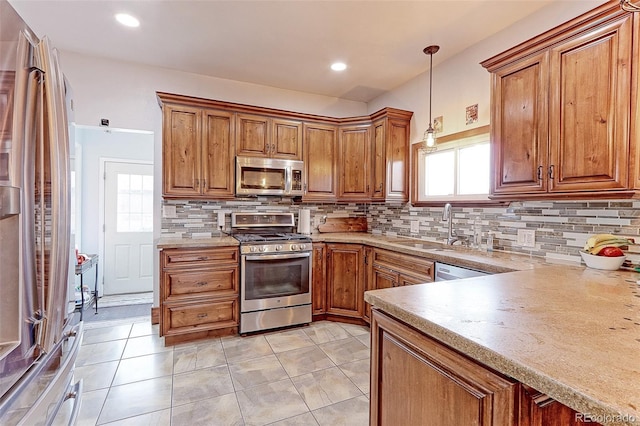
{"points": [[415, 226], [526, 238]]}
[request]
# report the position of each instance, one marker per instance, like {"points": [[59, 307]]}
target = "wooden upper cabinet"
{"points": [[320, 159], [286, 139], [181, 140], [354, 163], [589, 109], [390, 156], [218, 149], [562, 105], [254, 138], [519, 126], [260, 136], [197, 152]]}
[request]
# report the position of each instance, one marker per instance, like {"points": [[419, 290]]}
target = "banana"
{"points": [[597, 242]]}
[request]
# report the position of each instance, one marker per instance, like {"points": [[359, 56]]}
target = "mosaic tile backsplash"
{"points": [[561, 227]]}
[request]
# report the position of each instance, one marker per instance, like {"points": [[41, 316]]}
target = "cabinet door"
{"points": [[378, 171], [181, 143], [253, 138], [345, 280], [320, 162], [384, 277], [318, 276], [397, 161], [414, 378], [590, 109], [537, 409], [354, 158], [519, 126], [286, 140], [218, 148]]}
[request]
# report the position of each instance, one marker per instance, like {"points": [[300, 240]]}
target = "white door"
{"points": [[128, 230]]}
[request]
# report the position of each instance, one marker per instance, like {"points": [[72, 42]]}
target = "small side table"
{"points": [[90, 262]]}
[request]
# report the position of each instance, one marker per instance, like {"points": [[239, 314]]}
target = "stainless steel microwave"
{"points": [[269, 176]]}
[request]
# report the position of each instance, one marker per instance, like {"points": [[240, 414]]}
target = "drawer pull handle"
{"points": [[203, 258], [201, 316], [201, 283]]}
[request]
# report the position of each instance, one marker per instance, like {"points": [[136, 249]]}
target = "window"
{"points": [[135, 203], [458, 171]]}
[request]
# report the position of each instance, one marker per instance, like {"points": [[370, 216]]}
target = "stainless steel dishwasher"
{"points": [[446, 272]]}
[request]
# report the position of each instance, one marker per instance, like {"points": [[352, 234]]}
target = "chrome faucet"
{"points": [[451, 236]]}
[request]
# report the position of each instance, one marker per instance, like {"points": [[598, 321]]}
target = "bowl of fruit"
{"points": [[604, 251]]}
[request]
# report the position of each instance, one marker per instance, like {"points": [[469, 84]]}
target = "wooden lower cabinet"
{"points": [[538, 409], [417, 381], [318, 279], [345, 280], [198, 293]]}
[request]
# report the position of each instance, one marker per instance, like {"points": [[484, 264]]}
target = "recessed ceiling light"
{"points": [[127, 20], [338, 66]]}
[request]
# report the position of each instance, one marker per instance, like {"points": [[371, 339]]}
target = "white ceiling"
{"points": [[284, 44]]}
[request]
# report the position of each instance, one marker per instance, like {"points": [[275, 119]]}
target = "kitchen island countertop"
{"points": [[570, 332]]}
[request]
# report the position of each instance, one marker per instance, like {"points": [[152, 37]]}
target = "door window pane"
{"points": [[135, 203]]}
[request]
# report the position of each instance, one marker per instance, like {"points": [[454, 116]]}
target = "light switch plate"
{"points": [[415, 226], [220, 219], [526, 237]]}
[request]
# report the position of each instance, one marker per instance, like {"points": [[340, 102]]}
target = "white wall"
{"points": [[461, 81], [98, 144]]}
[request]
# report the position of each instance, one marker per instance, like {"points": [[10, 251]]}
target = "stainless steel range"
{"points": [[275, 271]]}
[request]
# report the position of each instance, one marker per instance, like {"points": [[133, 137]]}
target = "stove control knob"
{"points": [[278, 247], [252, 249], [294, 247], [302, 247], [263, 248]]}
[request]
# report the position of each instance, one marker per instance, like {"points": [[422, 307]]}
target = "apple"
{"points": [[611, 252]]}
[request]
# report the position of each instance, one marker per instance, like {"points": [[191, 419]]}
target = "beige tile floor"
{"points": [[313, 375]]}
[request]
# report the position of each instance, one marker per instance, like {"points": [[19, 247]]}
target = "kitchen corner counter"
{"points": [[569, 332], [218, 241]]}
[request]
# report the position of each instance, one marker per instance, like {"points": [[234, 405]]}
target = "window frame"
{"points": [[467, 200]]}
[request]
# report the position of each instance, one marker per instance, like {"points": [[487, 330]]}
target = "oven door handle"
{"points": [[278, 256]]}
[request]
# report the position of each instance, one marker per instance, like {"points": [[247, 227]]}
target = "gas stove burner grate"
{"points": [[264, 238]]}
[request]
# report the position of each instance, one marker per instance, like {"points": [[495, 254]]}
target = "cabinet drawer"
{"points": [[198, 283], [179, 258], [182, 318], [410, 265]]}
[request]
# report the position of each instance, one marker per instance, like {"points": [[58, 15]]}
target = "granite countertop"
{"points": [[570, 332], [216, 241]]}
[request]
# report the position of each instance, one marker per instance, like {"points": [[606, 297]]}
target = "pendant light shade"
{"points": [[429, 138]]}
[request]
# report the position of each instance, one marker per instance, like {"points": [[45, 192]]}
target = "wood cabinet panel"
{"points": [[378, 165], [417, 379], [286, 140], [537, 409], [194, 317], [397, 160], [519, 126], [318, 277], [320, 159], [218, 282], [198, 293], [354, 155], [345, 280], [403, 264], [590, 80], [562, 104], [181, 136], [218, 154], [253, 134], [199, 257]]}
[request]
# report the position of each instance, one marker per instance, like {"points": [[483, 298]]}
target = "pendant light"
{"points": [[628, 6], [429, 138]]}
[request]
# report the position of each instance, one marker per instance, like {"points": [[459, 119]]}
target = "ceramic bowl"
{"points": [[602, 262]]}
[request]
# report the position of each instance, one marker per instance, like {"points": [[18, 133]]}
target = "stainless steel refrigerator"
{"points": [[39, 338]]}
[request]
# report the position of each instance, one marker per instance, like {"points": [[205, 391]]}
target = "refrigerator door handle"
{"points": [[75, 393], [54, 392]]}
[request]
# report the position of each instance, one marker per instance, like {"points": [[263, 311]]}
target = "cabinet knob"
{"points": [[551, 168], [539, 172]]}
